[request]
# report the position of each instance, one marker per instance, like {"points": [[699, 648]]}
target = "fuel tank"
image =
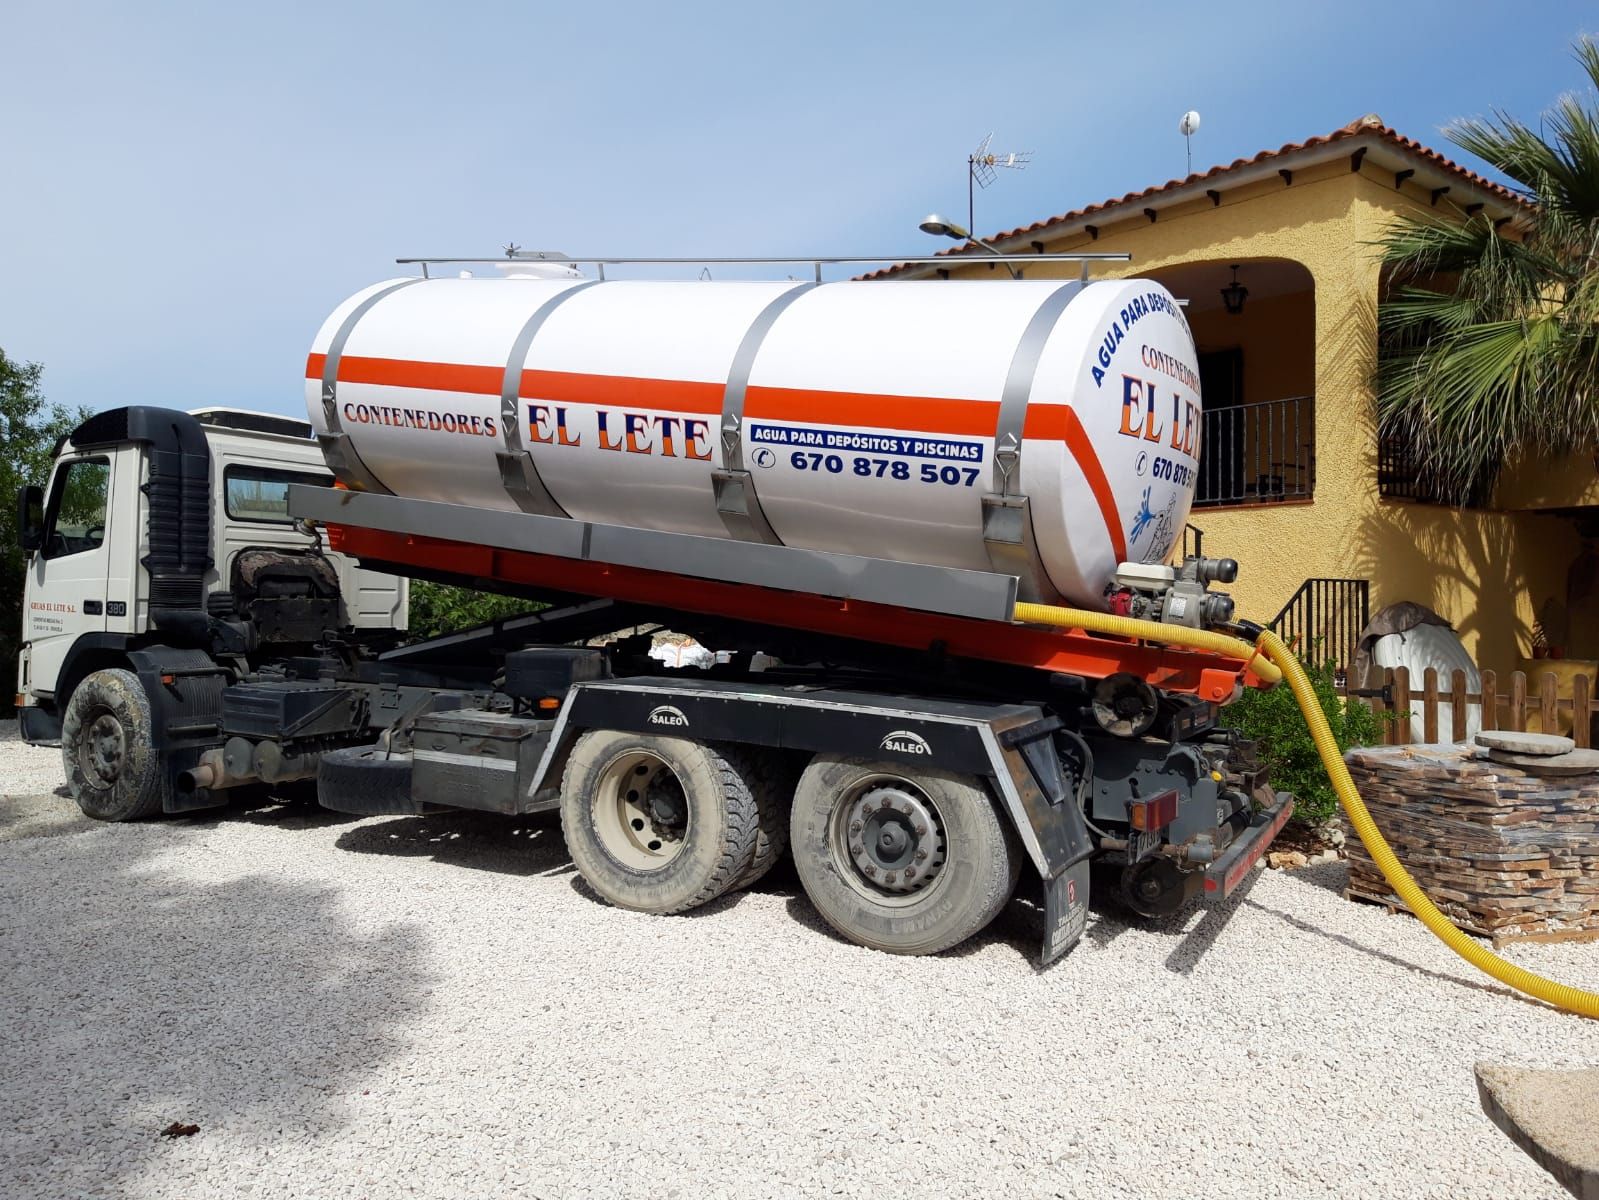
{"points": [[1046, 429]]}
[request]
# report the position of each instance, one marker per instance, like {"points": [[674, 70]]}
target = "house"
{"points": [[1293, 483]]}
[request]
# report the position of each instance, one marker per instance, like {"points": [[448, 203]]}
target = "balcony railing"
{"points": [[1402, 475], [1258, 453], [1323, 621]]}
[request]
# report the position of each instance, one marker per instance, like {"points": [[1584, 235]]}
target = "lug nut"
{"points": [[856, 848], [921, 856], [910, 874], [855, 826], [889, 878], [888, 802], [919, 828], [871, 870]]}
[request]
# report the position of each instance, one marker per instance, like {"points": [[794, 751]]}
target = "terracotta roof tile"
{"points": [[1370, 125]]}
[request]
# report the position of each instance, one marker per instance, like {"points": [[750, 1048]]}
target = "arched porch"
{"points": [[1257, 369]]}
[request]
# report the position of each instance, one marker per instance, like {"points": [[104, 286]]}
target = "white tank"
{"points": [[867, 418]]}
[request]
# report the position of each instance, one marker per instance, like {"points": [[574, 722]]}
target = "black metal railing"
{"points": [[1258, 453], [1322, 621], [1402, 475]]}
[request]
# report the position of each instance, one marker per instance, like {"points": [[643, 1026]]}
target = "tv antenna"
{"points": [[1188, 126], [983, 167]]}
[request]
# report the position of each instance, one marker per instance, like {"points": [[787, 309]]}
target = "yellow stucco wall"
{"points": [[1486, 572], [1281, 358]]}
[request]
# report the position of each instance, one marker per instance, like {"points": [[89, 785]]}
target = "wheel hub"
{"points": [[668, 807], [895, 840], [105, 746], [640, 812]]}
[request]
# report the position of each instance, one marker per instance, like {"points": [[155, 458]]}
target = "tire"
{"points": [[965, 866], [108, 749], [771, 778], [364, 780], [628, 842]]}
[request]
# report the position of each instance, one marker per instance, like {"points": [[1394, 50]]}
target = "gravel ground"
{"points": [[26, 770], [437, 1007]]}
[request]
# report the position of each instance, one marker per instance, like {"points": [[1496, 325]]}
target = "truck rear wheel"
{"points": [[108, 749], [910, 863], [771, 779], [657, 824]]}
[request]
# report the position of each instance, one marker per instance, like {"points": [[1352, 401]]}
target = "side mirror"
{"points": [[30, 517]]}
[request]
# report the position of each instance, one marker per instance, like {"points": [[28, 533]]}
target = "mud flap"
{"points": [[1065, 911], [185, 690]]}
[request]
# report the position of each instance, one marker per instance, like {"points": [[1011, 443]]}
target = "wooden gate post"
{"points": [[1429, 703], [1402, 706], [1457, 708], [1549, 703]]}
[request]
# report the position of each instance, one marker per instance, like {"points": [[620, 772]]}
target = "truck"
{"points": [[858, 510]]}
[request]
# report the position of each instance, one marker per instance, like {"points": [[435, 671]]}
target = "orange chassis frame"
{"points": [[1069, 651]]}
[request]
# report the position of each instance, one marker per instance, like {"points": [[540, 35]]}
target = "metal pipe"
{"points": [[911, 260]]}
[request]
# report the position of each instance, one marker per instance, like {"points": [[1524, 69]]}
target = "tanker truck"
{"points": [[875, 500]]}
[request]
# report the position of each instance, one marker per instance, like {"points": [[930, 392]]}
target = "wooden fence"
{"points": [[1513, 707]]}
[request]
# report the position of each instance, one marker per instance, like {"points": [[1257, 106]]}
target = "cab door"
{"points": [[66, 590]]}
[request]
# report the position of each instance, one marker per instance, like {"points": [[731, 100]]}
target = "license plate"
{"points": [[1141, 845]]}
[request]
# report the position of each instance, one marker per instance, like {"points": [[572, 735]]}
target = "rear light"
{"points": [[549, 703], [1157, 812]]}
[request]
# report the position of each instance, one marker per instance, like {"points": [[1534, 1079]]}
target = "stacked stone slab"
{"points": [[1505, 852]]}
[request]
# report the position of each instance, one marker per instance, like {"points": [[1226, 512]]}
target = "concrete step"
{"points": [[1552, 1115]]}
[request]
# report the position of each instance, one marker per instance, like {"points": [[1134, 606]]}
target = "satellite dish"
{"points": [[1189, 126]]}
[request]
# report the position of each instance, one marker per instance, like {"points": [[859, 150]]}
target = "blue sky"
{"points": [[188, 189]]}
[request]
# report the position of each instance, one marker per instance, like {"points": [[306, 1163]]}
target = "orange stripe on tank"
{"points": [[432, 376], [1088, 462], [664, 395], [921, 414], [1046, 421], [867, 410]]}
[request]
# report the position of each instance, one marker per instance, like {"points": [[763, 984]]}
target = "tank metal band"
{"points": [[337, 447], [736, 500], [1019, 387], [1007, 513], [519, 476]]}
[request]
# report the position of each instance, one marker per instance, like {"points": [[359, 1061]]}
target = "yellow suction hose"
{"points": [[1151, 631], [1282, 663]]}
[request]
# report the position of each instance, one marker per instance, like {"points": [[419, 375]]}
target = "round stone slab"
{"points": [[1573, 762], [1525, 743]]}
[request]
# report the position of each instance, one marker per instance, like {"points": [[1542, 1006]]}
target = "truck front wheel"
{"points": [[907, 862], [658, 824], [108, 751]]}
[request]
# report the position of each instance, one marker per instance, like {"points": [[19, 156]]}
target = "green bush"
{"points": [[1273, 720], [443, 608], [28, 431]]}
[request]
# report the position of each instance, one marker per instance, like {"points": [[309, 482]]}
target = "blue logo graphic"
{"points": [[1142, 520]]}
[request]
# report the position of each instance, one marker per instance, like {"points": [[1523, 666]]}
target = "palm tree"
{"points": [[1489, 343]]}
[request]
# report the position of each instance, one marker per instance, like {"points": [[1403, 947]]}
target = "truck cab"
{"points": [[157, 526]]}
